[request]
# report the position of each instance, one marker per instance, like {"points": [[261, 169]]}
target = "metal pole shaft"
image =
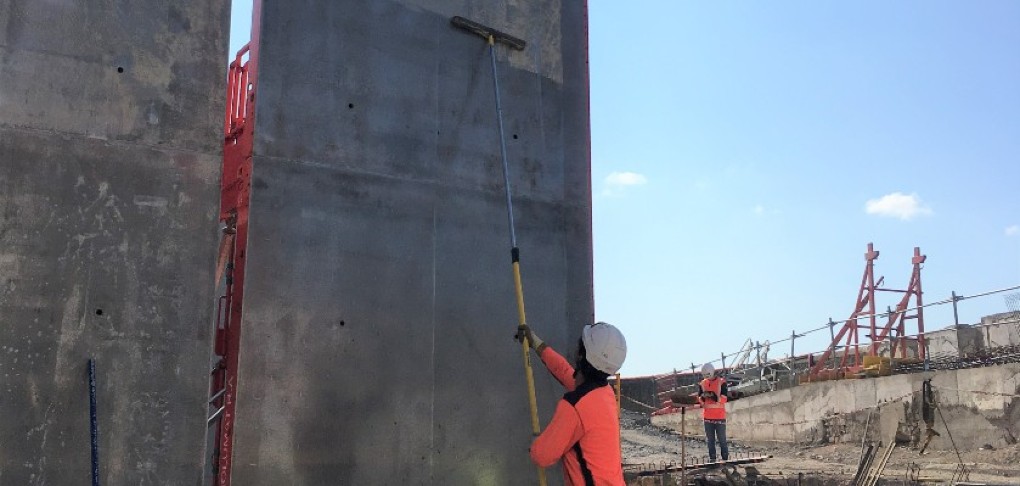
{"points": [[892, 341], [529, 377], [956, 315], [502, 145], [832, 337], [93, 422], [683, 446], [793, 337]]}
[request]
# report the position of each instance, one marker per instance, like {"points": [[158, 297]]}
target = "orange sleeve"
{"points": [[559, 367], [562, 433]]}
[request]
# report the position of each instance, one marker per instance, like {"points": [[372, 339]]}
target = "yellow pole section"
{"points": [[536, 428]]}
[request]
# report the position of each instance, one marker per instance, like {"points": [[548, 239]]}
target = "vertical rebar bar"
{"points": [[93, 422], [956, 314], [793, 337], [683, 445]]}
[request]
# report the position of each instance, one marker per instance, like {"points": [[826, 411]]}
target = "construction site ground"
{"points": [[655, 448]]}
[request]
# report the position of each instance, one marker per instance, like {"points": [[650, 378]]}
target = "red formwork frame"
{"points": [[849, 334], [235, 193], [898, 317]]}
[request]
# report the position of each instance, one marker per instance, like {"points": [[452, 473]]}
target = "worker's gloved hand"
{"points": [[533, 340]]}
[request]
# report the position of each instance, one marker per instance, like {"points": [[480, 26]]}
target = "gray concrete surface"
{"points": [[110, 125], [379, 310]]}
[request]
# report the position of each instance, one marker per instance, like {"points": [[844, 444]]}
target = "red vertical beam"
{"points": [[918, 260], [897, 319], [871, 256]]}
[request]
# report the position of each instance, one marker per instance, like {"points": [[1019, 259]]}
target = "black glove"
{"points": [[525, 332]]}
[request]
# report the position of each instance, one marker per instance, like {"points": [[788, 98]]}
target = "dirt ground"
{"points": [[654, 448]]}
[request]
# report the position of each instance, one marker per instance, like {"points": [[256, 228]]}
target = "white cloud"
{"points": [[626, 179], [1013, 230], [897, 205], [617, 182]]}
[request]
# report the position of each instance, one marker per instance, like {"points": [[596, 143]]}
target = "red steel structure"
{"points": [[235, 193], [898, 317], [849, 334]]}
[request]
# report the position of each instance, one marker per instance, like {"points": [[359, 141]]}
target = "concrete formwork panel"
{"points": [[944, 342], [985, 389], [379, 308], [865, 394], [770, 418], [948, 386], [110, 119], [818, 399], [896, 387]]}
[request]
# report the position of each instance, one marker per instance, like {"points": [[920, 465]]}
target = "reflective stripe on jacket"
{"points": [[713, 409], [584, 432]]}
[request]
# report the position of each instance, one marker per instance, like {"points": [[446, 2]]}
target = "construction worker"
{"points": [[584, 433], [712, 397]]}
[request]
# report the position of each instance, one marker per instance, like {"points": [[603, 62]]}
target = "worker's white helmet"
{"points": [[708, 370], [605, 348]]}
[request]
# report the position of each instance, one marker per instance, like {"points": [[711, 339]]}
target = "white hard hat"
{"points": [[707, 370], [605, 347]]}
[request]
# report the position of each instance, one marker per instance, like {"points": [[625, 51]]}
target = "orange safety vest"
{"points": [[584, 433], [712, 409]]}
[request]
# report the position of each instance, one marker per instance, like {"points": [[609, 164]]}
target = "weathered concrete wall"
{"points": [[639, 393], [109, 167], [994, 331], [379, 308], [1000, 330], [946, 342], [979, 404]]}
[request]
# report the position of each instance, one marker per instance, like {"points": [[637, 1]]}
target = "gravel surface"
{"points": [[646, 444]]}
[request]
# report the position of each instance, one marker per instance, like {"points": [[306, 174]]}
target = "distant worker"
{"points": [[585, 429], [712, 397]]}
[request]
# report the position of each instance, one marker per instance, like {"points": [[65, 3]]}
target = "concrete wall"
{"points": [[994, 331], [1000, 330], [979, 404], [110, 129], [640, 390], [944, 342], [379, 310]]}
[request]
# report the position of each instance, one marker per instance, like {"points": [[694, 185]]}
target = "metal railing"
{"points": [[667, 384], [954, 299], [239, 87]]}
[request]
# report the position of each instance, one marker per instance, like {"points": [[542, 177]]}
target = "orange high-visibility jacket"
{"points": [[584, 432], [713, 409]]}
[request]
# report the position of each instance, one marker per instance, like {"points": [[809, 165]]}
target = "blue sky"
{"points": [[744, 154], [754, 134]]}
